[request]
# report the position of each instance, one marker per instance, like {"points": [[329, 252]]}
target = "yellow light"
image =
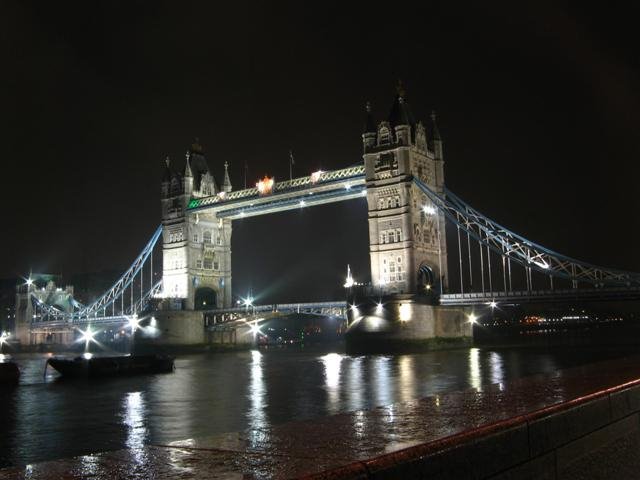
{"points": [[265, 185], [405, 312]]}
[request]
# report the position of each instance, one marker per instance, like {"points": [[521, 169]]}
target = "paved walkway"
{"points": [[352, 444]]}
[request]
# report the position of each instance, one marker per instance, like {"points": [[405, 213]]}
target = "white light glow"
{"points": [[153, 323], [315, 176], [473, 319], [349, 281], [347, 186], [255, 329], [302, 204], [364, 193], [493, 304], [133, 322], [29, 282], [541, 264], [87, 355], [379, 308], [87, 335], [429, 210]]}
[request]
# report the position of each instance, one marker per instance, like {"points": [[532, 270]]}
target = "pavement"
{"points": [[355, 444]]}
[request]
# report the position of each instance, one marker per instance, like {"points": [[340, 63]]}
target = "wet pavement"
{"points": [[346, 445]]}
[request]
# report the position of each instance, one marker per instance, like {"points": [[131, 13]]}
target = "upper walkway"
{"points": [[316, 189]]}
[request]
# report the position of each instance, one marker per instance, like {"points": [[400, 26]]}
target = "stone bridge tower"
{"points": [[196, 247], [406, 233]]}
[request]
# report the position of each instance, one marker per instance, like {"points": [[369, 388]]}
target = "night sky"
{"points": [[539, 108]]}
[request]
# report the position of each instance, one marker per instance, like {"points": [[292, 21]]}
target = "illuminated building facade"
{"points": [[406, 233], [196, 247]]}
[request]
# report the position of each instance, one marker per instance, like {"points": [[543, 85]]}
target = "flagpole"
{"points": [[290, 165]]}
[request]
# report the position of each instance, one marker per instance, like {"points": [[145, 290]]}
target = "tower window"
{"points": [[208, 264], [198, 263], [398, 235], [216, 266], [195, 238], [206, 237], [392, 236]]}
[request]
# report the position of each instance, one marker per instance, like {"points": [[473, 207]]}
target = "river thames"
{"points": [[46, 418]]}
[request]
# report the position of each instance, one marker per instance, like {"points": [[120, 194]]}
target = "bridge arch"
{"points": [[426, 278], [205, 298]]}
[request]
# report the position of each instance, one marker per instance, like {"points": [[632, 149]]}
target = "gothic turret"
{"points": [[438, 154], [369, 131], [400, 118], [226, 186]]}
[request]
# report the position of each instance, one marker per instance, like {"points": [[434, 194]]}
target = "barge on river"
{"points": [[93, 367]]}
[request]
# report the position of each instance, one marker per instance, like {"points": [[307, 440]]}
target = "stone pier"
{"points": [[406, 323]]}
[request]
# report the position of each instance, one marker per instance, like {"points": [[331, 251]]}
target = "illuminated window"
{"points": [[206, 237], [392, 236], [398, 235]]}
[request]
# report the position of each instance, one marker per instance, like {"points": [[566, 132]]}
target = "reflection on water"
{"points": [[256, 414], [134, 420], [497, 369], [331, 362], [218, 393], [407, 377], [474, 369]]}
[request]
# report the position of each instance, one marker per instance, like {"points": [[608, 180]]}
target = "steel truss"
{"points": [[514, 247], [115, 292]]}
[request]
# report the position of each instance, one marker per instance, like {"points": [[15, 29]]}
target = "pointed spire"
{"points": [[369, 124], [167, 160], [187, 167], [434, 127], [400, 112], [400, 90], [226, 186]]}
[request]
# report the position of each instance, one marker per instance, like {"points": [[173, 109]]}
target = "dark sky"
{"points": [[538, 106]]}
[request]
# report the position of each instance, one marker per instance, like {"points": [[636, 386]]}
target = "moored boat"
{"points": [[112, 366], [9, 373]]}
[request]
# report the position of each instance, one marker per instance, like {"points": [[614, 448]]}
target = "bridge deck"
{"points": [[534, 296]]}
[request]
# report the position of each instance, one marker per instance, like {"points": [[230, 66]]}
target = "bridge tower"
{"points": [[406, 233], [196, 247]]}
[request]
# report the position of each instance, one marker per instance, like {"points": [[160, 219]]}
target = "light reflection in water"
{"points": [[383, 389], [355, 384], [497, 369], [407, 378], [474, 369], [332, 362], [134, 419], [256, 414]]}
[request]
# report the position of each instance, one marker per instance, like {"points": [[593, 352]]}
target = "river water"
{"points": [[46, 418]]}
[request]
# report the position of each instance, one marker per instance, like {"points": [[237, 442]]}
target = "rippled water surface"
{"points": [[46, 418]]}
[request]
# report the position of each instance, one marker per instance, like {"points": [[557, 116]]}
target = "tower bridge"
{"points": [[426, 245]]}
